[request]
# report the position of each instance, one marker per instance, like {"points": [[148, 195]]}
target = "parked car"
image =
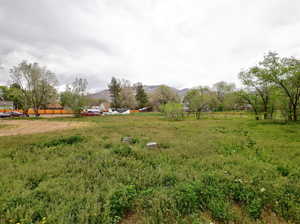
{"points": [[5, 115], [90, 113], [18, 114]]}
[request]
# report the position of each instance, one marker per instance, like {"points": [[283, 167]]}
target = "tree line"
{"points": [[271, 87]]}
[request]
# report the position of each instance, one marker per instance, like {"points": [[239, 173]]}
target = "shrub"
{"points": [[283, 171], [120, 201], [123, 150], [63, 141], [173, 111], [186, 199], [169, 180]]}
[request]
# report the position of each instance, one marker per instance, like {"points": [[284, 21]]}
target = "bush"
{"points": [[120, 202], [63, 141], [186, 199], [173, 111], [123, 150]]}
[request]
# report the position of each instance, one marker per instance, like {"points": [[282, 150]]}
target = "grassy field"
{"points": [[225, 168]]}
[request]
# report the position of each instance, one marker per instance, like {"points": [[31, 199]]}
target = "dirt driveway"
{"points": [[24, 127]]}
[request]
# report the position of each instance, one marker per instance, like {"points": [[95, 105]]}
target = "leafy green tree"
{"points": [[251, 98], [284, 73], [173, 111], [115, 92], [141, 96], [4, 93], [15, 95], [252, 79], [36, 84], [224, 90], [198, 100], [75, 96]]}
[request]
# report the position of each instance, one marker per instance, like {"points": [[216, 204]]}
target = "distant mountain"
{"points": [[105, 94]]}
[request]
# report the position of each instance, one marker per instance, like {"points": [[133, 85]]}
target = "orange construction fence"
{"points": [[50, 111], [47, 111]]}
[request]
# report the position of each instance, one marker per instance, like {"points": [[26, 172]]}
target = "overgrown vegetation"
{"points": [[224, 168], [173, 111]]}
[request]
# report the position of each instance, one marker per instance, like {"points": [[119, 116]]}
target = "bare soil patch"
{"points": [[24, 127]]}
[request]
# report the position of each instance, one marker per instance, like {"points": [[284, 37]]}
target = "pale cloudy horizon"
{"points": [[174, 42]]}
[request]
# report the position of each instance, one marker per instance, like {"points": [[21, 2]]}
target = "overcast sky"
{"points": [[182, 43]]}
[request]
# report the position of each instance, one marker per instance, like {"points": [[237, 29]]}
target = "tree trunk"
{"points": [[295, 116], [197, 115], [265, 115], [256, 114], [36, 112], [265, 112], [25, 111], [290, 115]]}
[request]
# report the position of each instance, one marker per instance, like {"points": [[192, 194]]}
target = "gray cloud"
{"points": [[180, 43]]}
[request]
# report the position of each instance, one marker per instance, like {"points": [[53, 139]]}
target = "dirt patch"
{"points": [[25, 127]]}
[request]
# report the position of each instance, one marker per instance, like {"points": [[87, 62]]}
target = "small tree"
{"points": [[141, 96], [15, 95], [4, 93], [173, 111], [198, 100], [127, 99], [163, 95], [36, 84], [74, 96], [251, 98], [252, 79], [115, 92], [223, 91]]}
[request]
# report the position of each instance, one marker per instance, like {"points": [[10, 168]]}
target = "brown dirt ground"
{"points": [[25, 127]]}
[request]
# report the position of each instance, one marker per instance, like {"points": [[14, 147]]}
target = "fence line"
{"points": [[46, 111]]}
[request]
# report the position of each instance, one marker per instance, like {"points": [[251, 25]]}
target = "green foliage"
{"points": [[74, 96], [173, 111], [99, 180], [63, 141], [141, 96], [15, 94], [4, 93], [36, 84], [186, 199], [199, 100], [275, 76], [120, 201], [224, 94], [284, 171], [115, 92], [122, 150], [163, 95]]}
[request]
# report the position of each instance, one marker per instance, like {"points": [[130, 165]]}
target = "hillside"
{"points": [[104, 94]]}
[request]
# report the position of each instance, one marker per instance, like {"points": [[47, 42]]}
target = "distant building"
{"points": [[6, 105]]}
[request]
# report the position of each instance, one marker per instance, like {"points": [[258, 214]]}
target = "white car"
{"points": [[4, 115]]}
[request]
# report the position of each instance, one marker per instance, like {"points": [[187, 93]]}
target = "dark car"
{"points": [[90, 113], [5, 115], [18, 114]]}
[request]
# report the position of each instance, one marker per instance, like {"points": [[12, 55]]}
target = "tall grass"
{"points": [[225, 169]]}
